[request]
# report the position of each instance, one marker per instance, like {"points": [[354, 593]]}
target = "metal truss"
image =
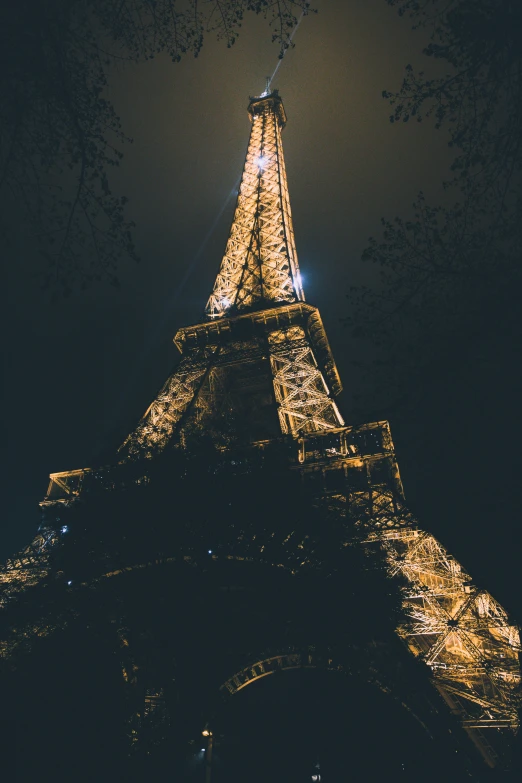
{"points": [[459, 631], [302, 395], [308, 658], [462, 633], [304, 402], [29, 567], [22, 572], [160, 419], [260, 261]]}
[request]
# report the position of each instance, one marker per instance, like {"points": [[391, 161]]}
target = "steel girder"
{"points": [[461, 633], [290, 341], [260, 261], [304, 401], [28, 567], [159, 421]]}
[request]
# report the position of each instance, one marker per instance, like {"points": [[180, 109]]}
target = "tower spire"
{"points": [[259, 268]]}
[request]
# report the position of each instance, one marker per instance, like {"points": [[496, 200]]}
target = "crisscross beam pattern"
{"points": [[461, 632], [260, 262], [303, 399]]}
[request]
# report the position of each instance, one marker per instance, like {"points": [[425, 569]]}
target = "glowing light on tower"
{"points": [[260, 260]]}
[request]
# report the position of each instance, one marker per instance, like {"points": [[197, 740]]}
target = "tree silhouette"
{"points": [[450, 273], [59, 133]]}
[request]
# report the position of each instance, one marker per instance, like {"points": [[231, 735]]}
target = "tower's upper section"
{"points": [[260, 268]]}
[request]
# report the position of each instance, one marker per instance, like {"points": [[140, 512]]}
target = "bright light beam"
{"points": [[285, 51]]}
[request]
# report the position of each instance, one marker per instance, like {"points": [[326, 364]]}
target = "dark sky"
{"points": [[81, 371]]}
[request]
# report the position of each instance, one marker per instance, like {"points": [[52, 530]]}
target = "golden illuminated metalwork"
{"points": [[304, 402], [260, 262], [28, 567], [284, 661], [300, 370], [259, 270], [460, 631], [161, 417], [263, 350]]}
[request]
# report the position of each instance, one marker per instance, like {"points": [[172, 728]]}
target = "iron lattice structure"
{"points": [[260, 262], [259, 372]]}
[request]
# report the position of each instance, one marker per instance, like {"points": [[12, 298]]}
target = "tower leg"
{"points": [[162, 417]]}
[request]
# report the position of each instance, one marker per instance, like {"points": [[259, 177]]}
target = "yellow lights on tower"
{"points": [[260, 262], [461, 632], [262, 350], [304, 401]]}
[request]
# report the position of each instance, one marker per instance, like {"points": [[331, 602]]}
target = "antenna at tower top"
{"points": [[267, 87]]}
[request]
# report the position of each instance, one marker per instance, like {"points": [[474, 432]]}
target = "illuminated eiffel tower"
{"points": [[246, 443]]}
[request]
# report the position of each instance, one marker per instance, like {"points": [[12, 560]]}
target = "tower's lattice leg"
{"points": [[28, 567], [462, 633], [157, 426], [301, 392]]}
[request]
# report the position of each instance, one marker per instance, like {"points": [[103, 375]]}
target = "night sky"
{"points": [[80, 371]]}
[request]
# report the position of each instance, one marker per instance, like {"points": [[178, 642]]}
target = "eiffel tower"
{"points": [[242, 489]]}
